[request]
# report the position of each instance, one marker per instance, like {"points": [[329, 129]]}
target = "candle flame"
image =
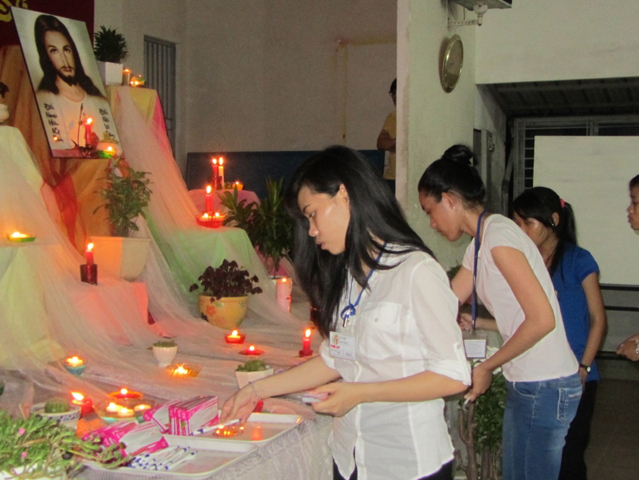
{"points": [[89, 247], [74, 361], [56, 138], [307, 333], [124, 391], [221, 160], [89, 121], [126, 70], [217, 214], [234, 333], [113, 407], [208, 189], [109, 148], [78, 396], [214, 161], [180, 371], [18, 235], [205, 216], [251, 348]]}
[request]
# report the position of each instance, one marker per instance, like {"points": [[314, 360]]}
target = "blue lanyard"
{"points": [[477, 245], [351, 309]]}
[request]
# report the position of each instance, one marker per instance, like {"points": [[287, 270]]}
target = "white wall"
{"points": [[544, 40], [429, 119]]}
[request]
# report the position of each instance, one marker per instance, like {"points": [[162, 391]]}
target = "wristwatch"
{"points": [[585, 367]]}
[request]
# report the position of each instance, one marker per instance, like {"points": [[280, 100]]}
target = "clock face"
{"points": [[452, 63]]}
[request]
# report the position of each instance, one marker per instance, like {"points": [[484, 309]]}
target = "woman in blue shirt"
{"points": [[549, 222]]}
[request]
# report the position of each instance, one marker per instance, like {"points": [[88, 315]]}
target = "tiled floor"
{"points": [[613, 453]]}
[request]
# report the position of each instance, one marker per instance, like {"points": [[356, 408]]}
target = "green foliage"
{"points": [[489, 414], [126, 196], [56, 405], [268, 225], [110, 46], [44, 448], [166, 343], [257, 365], [227, 280]]}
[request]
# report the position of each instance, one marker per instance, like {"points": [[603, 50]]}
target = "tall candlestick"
{"points": [[283, 289], [306, 344], [215, 172], [88, 254], [221, 173], [209, 199], [88, 131], [126, 77]]}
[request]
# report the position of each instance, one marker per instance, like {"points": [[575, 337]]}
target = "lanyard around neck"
{"points": [[477, 245], [351, 309]]}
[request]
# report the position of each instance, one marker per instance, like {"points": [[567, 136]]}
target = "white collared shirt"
{"points": [[404, 325]]}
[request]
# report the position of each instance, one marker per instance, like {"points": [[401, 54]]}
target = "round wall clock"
{"points": [[452, 63]]}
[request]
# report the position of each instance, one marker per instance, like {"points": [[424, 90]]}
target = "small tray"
{"points": [[212, 455], [260, 428]]}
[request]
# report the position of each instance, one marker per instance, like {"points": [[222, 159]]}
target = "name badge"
{"points": [[342, 346], [475, 344]]}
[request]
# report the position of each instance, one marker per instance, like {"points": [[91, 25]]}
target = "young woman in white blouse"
{"points": [[388, 318], [512, 281]]}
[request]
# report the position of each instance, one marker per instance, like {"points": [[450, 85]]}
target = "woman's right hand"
{"points": [[240, 405], [466, 323]]}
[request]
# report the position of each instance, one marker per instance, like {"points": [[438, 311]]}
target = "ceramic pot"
{"points": [[227, 312], [69, 418], [243, 378], [110, 72], [164, 355]]}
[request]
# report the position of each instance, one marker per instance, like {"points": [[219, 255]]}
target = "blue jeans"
{"points": [[536, 421]]}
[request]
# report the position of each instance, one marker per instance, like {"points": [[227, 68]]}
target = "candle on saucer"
{"points": [[235, 337], [125, 394], [113, 407], [239, 185], [251, 350], [74, 365], [125, 412], [306, 344]]}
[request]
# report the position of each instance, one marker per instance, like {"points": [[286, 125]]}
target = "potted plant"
{"points": [[110, 49], [39, 447], [251, 371], [224, 300], [165, 351], [126, 196]]}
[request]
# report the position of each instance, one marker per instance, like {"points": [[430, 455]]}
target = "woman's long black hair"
{"points": [[375, 218], [540, 203]]}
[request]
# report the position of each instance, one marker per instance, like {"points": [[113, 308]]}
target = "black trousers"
{"points": [[573, 465], [444, 473]]}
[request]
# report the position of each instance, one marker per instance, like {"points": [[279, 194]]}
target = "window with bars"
{"points": [[160, 74], [526, 129]]}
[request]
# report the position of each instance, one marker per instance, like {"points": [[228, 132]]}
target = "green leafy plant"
{"points": [[227, 280], [126, 196], [268, 225], [56, 405], [109, 45], [257, 365], [166, 343], [38, 447]]}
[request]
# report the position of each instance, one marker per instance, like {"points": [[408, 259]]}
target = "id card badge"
{"points": [[342, 346], [475, 344]]}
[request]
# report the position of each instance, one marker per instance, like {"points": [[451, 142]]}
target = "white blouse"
{"points": [[406, 323]]}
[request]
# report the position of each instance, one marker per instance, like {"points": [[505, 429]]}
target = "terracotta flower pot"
{"points": [[227, 312]]}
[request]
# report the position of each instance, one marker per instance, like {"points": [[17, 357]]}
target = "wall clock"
{"points": [[452, 62]]}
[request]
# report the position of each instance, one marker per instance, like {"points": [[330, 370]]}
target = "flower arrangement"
{"points": [[40, 447], [110, 46], [126, 196], [227, 280]]}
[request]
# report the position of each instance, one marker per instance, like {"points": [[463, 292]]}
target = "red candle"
{"points": [[88, 254], [217, 220], [88, 131], [125, 394], [306, 344], [235, 337], [209, 199], [85, 404], [252, 351], [215, 172]]}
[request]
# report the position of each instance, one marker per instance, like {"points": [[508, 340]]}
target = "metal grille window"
{"points": [[160, 74], [526, 129]]}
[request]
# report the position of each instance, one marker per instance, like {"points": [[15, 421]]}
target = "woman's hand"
{"points": [[240, 405], [628, 348], [482, 378], [342, 398], [481, 323]]}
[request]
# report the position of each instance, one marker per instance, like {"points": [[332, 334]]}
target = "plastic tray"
{"points": [[212, 455], [259, 429]]}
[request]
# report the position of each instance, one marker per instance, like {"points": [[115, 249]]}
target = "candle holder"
{"points": [[252, 351], [210, 221], [126, 77], [235, 337], [75, 366], [89, 274], [20, 237], [85, 404], [184, 369]]}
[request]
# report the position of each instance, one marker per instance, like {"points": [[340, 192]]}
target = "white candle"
{"points": [[221, 173], [283, 289]]}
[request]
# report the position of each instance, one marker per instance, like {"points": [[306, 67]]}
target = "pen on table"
{"points": [[202, 430], [171, 465]]}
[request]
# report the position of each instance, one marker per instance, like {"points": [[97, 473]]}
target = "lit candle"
{"points": [[283, 289], [125, 412], [85, 404], [88, 131], [125, 394], [88, 254], [126, 77], [306, 344], [235, 337], [56, 138], [142, 407], [113, 408], [209, 199], [74, 365], [252, 351], [215, 171], [238, 185], [74, 361], [206, 217], [217, 220], [221, 174]]}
